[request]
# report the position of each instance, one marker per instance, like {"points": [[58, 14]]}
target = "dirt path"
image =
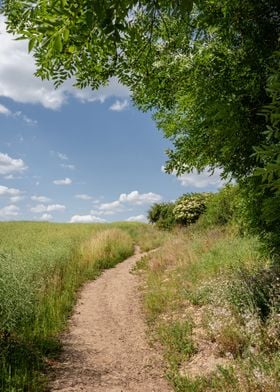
{"points": [[106, 348]]}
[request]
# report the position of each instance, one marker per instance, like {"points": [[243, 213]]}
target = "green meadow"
{"points": [[42, 265]]}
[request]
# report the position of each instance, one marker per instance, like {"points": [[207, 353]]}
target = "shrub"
{"points": [[189, 207], [162, 215], [257, 290], [222, 207]]}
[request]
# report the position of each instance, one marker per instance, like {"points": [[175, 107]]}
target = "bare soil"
{"points": [[106, 347]]}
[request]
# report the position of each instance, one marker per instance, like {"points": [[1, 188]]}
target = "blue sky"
{"points": [[78, 156]]}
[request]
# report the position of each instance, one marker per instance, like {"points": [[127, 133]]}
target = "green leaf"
{"points": [[71, 49], [58, 43], [31, 44], [66, 35], [186, 6]]}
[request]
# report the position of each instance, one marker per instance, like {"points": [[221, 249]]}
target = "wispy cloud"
{"points": [[12, 177], [7, 112], [41, 199], [61, 156], [25, 118], [83, 197], [119, 106], [65, 181], [68, 166], [4, 110], [40, 208]]}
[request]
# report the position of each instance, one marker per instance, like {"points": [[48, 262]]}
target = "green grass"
{"points": [[42, 265], [211, 291], [177, 338], [146, 236]]}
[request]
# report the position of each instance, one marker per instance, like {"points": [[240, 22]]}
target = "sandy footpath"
{"points": [[106, 348]]}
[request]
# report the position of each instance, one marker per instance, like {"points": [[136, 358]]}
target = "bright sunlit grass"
{"points": [[42, 265]]}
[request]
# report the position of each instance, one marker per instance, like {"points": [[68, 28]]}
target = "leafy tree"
{"points": [[268, 153], [87, 39], [223, 208]]}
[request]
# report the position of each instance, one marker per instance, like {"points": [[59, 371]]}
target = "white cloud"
{"points": [[41, 199], [128, 199], [16, 199], [10, 165], [65, 181], [46, 217], [137, 198], [112, 89], [113, 206], [119, 106], [137, 218], [7, 112], [25, 118], [9, 177], [63, 157], [4, 110], [83, 197], [5, 191], [66, 166], [8, 211], [203, 179], [40, 208], [86, 219], [17, 80]]}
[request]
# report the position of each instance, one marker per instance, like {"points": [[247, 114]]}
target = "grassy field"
{"points": [[213, 302], [42, 265]]}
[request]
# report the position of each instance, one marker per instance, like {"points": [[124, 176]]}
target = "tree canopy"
{"points": [[88, 39]]}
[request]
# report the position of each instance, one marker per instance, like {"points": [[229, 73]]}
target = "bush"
{"points": [[189, 207], [222, 207], [162, 215]]}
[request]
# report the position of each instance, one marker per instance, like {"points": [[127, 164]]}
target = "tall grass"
{"points": [[42, 266], [213, 301], [146, 236]]}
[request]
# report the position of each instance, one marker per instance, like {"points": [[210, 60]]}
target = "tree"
{"points": [[86, 39]]}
